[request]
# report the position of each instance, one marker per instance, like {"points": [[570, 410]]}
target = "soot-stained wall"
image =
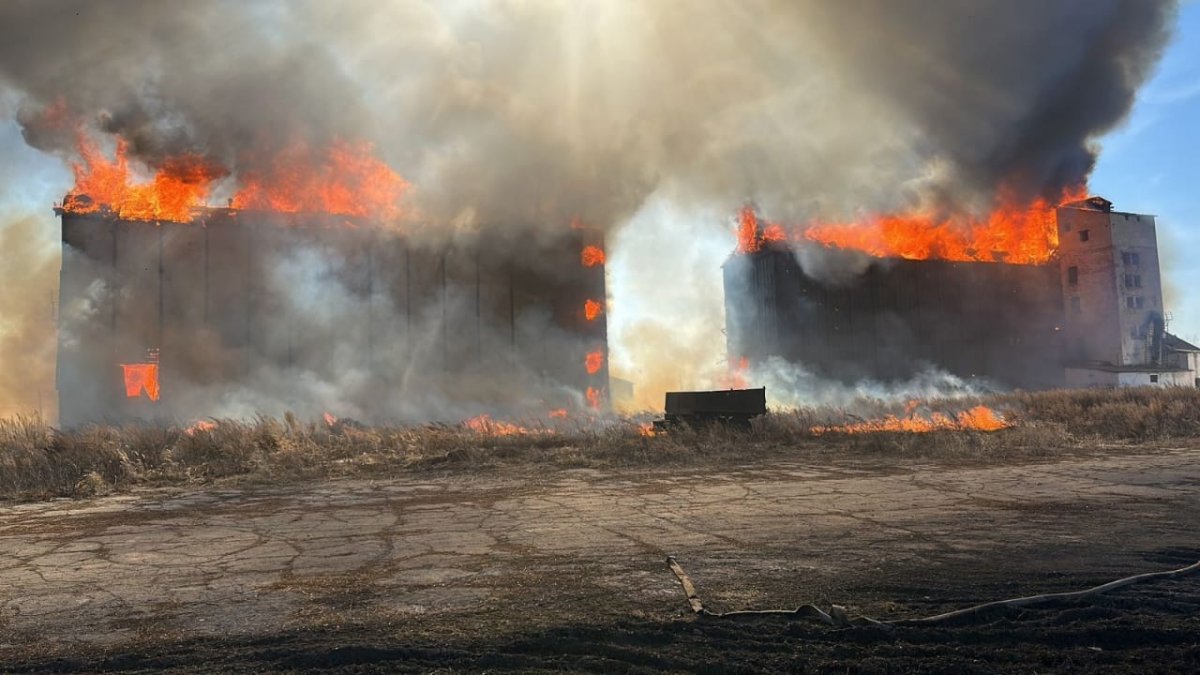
{"points": [[253, 312], [976, 320]]}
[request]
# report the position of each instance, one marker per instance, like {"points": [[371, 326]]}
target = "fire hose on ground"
{"points": [[839, 618]]}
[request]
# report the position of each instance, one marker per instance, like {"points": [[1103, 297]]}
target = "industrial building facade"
{"points": [[1091, 317], [168, 320], [1114, 326]]}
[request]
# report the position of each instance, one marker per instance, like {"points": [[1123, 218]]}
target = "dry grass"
{"points": [[1142, 414], [37, 461]]}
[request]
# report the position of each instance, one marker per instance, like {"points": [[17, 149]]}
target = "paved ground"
{"points": [[449, 560]]}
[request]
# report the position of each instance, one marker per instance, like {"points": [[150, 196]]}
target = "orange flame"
{"points": [[202, 425], [345, 179], [647, 430], [559, 413], [592, 256], [179, 185], [747, 231], [594, 397], [735, 376], [342, 179], [753, 233], [594, 362], [484, 424], [139, 378], [979, 418], [329, 419], [1014, 232], [592, 309]]}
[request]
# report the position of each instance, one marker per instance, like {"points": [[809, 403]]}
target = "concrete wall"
{"points": [[1084, 378], [1112, 288], [1139, 287], [899, 317], [1087, 377], [1091, 324], [238, 301]]}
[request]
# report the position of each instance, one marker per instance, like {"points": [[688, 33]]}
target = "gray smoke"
{"points": [[547, 109]]}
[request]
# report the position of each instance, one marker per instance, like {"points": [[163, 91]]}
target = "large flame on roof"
{"points": [[179, 185], [1015, 231], [342, 179]]}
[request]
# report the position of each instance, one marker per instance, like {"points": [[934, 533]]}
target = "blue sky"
{"points": [[1152, 165]]}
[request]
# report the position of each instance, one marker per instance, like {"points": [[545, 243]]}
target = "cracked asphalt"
{"points": [[504, 552]]}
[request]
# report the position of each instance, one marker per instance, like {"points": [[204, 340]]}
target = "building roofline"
{"points": [[1109, 368], [1178, 344]]}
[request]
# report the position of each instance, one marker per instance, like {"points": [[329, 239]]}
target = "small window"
{"points": [[1075, 305], [1128, 281], [1072, 275], [1125, 259], [1084, 235], [1139, 302], [1133, 259], [1137, 281], [1153, 379], [1129, 302], [1198, 382]]}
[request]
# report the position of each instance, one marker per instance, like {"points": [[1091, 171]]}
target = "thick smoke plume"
{"points": [[547, 109], [539, 111]]}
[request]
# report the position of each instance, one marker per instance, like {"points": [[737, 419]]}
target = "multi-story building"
{"points": [[1091, 316], [1114, 323]]}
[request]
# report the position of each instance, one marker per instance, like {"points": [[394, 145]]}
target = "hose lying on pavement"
{"points": [[837, 616]]}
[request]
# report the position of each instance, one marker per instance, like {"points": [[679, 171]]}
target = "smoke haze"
{"points": [[540, 111]]}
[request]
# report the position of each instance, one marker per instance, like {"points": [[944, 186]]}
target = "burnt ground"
{"points": [[528, 571]]}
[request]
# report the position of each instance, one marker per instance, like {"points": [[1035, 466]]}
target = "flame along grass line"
{"points": [[979, 418]]}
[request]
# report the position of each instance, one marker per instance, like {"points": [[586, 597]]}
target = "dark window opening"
{"points": [[1083, 235], [1139, 302], [1072, 275], [1129, 302], [1153, 379], [1133, 259], [1198, 382]]}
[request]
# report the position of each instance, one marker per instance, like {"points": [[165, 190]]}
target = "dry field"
{"points": [[38, 461]]}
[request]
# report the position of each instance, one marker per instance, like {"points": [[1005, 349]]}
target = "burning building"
{"points": [[1080, 309], [236, 311]]}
